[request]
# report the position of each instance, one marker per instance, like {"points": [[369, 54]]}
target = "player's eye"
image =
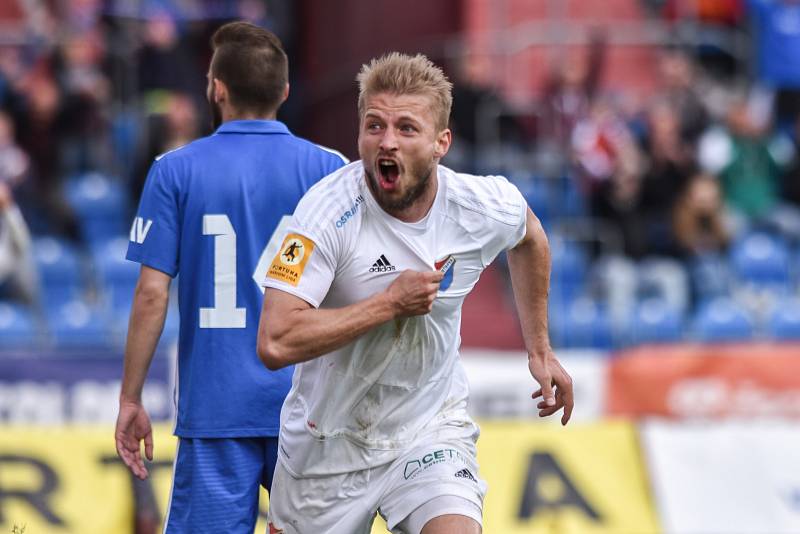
{"points": [[374, 126], [407, 128]]}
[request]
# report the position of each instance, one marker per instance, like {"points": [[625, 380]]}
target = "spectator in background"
{"points": [[570, 92], [698, 218], [86, 104], [14, 162], [678, 93], [475, 102], [617, 202], [17, 272], [749, 172], [41, 133], [166, 61], [177, 125], [670, 166]]}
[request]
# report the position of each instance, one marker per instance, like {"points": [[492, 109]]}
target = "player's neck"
{"points": [[229, 114], [421, 206]]}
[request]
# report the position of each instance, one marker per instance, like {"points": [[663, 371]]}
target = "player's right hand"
{"points": [[133, 426], [413, 292]]}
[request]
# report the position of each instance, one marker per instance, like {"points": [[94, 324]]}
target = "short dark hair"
{"points": [[252, 64]]}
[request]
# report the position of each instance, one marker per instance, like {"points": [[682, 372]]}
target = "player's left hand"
{"points": [[549, 373]]}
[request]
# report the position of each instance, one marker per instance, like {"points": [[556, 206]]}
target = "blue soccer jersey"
{"points": [[207, 213]]}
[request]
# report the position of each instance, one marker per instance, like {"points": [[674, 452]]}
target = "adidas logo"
{"points": [[464, 473], [381, 266]]}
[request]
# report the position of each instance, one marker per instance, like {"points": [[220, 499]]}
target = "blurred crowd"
{"points": [[681, 205], [658, 196]]}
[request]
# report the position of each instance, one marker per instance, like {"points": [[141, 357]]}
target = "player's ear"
{"points": [[443, 141], [285, 93], [220, 91]]}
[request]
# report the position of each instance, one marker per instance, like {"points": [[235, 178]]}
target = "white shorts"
{"points": [[348, 502]]}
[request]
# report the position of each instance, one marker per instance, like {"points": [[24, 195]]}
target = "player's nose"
{"points": [[388, 141]]}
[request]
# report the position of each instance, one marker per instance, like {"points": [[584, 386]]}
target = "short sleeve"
{"points": [[155, 231], [306, 261], [507, 218]]}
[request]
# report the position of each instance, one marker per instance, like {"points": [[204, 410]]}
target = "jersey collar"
{"points": [[253, 127]]}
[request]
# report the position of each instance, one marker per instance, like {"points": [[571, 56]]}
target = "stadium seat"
{"points": [[583, 324], [761, 259], [17, 326], [722, 319], [77, 324], [101, 206], [59, 267], [537, 194], [116, 276], [568, 271], [784, 322], [655, 321], [711, 276]]}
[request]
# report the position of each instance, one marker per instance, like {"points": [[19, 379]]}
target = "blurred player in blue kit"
{"points": [[365, 297], [207, 212]]}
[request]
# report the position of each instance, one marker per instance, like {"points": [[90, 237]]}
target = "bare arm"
{"points": [[148, 313], [292, 331], [529, 263]]}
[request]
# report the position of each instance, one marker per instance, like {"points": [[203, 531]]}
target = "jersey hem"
{"points": [[234, 433]]}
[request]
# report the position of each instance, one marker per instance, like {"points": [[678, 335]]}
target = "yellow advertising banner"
{"points": [[542, 479], [582, 479], [57, 480]]}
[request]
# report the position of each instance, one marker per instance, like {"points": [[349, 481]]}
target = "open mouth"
{"points": [[389, 173]]}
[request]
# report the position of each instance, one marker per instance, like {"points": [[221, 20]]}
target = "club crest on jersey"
{"points": [[446, 266], [290, 261]]}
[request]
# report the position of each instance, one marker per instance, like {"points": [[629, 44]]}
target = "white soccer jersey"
{"points": [[362, 405]]}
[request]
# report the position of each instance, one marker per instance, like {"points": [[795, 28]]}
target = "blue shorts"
{"points": [[215, 484]]}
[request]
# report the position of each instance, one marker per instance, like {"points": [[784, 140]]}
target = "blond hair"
{"points": [[401, 74]]}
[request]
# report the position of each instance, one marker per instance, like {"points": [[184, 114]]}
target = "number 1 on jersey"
{"points": [[224, 314]]}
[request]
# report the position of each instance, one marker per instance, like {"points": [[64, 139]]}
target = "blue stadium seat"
{"points": [[17, 326], [101, 205], [78, 324], [711, 276], [537, 194], [116, 276], [784, 322], [569, 269], [762, 259], [722, 319], [59, 267], [655, 321], [583, 324]]}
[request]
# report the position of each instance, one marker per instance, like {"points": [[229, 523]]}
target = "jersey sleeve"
{"points": [[306, 261], [155, 232], [507, 217]]}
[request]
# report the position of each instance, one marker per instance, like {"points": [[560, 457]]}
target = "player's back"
{"points": [[214, 205]]}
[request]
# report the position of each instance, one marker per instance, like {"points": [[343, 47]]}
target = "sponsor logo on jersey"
{"points": [[382, 265], [347, 215], [414, 467], [446, 266], [290, 261], [139, 229], [465, 473]]}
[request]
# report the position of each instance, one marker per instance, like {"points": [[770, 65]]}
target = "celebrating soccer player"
{"points": [[365, 295]]}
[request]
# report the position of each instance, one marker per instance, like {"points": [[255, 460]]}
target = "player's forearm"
{"points": [[300, 335], [148, 313], [529, 264]]}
